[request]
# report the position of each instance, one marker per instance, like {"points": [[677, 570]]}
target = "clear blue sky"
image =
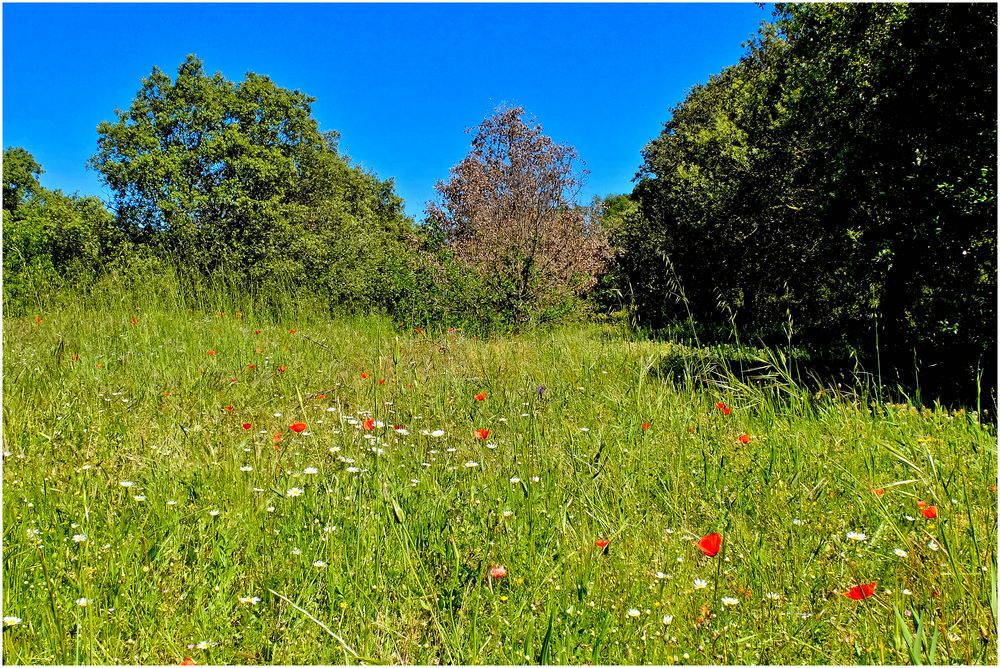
{"points": [[400, 82]]}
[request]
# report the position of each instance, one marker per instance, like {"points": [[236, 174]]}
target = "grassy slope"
{"points": [[410, 538]]}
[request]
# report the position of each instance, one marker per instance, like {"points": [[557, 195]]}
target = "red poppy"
{"points": [[166, 393], [727, 410], [38, 319], [229, 409], [364, 375], [212, 352], [369, 424], [710, 544], [321, 396], [482, 434], [860, 592], [282, 369], [75, 358], [481, 396], [921, 504], [878, 492], [134, 320], [720, 405], [256, 331], [602, 543], [297, 427], [744, 438], [277, 439], [498, 572], [419, 330], [381, 381], [188, 662], [251, 366], [930, 512], [234, 379], [291, 331], [645, 425], [247, 425]]}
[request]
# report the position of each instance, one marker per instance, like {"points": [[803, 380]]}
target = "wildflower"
{"points": [[878, 492], [921, 504], [296, 551], [369, 424], [744, 438], [471, 464], [720, 405], [311, 470], [700, 584], [584, 429], [710, 544], [127, 483], [80, 538], [139, 497], [257, 332], [247, 425], [381, 381], [251, 366], [246, 469], [634, 612], [364, 375], [728, 600], [857, 536], [541, 391], [353, 469], [645, 425], [481, 396], [282, 369], [11, 621], [660, 575], [229, 409], [498, 572], [437, 433], [602, 543], [297, 427], [171, 502], [319, 564], [82, 602], [249, 600], [481, 434], [204, 644], [188, 661], [933, 545], [907, 592], [214, 513], [797, 522], [900, 553], [277, 439], [400, 429], [860, 592], [291, 331], [506, 513], [515, 480], [773, 596], [535, 478], [667, 619], [212, 353], [293, 492], [930, 512]]}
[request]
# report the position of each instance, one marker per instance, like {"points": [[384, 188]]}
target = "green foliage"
{"points": [[836, 185], [20, 177]]}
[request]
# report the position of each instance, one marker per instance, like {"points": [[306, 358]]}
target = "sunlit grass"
{"points": [[345, 544]]}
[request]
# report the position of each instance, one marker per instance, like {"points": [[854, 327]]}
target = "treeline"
{"points": [[835, 191]]}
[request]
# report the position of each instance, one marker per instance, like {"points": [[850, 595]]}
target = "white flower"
{"points": [[437, 433], [311, 470], [139, 497], [296, 551], [584, 428], [319, 564], [933, 545], [127, 483], [660, 575], [246, 469], [277, 415], [270, 509], [331, 409], [910, 517], [249, 600], [80, 538], [471, 464], [700, 584], [508, 513], [515, 480], [728, 600], [204, 644], [667, 619], [900, 553], [294, 491], [401, 431], [82, 602], [335, 449], [632, 612], [797, 522], [11, 621], [535, 478], [856, 536], [906, 592], [491, 445], [774, 596], [352, 469]]}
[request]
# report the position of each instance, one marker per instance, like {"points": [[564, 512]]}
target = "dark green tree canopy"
{"points": [[20, 177]]}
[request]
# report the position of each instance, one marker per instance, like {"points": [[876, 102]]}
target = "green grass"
{"points": [[410, 538]]}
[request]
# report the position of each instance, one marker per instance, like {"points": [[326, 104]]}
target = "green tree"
{"points": [[20, 177]]}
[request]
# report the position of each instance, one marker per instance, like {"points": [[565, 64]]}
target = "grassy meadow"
{"points": [[159, 506]]}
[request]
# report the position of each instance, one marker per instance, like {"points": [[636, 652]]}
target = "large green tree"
{"points": [[838, 184]]}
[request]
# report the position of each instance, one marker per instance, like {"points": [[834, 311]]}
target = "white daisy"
{"points": [[293, 492], [856, 536], [82, 602], [11, 621], [311, 470], [700, 584], [80, 538], [633, 612], [249, 600], [246, 469], [729, 600], [900, 553], [319, 564]]}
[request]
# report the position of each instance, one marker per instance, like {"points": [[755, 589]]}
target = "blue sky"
{"points": [[401, 83]]}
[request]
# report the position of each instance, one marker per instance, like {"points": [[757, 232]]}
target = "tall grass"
{"points": [[386, 554]]}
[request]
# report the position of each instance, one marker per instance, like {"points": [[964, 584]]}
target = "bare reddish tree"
{"points": [[508, 211]]}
